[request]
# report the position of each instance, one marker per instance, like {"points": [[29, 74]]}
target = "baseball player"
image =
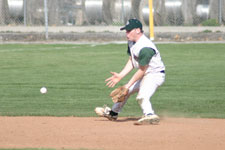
{"points": [[150, 74]]}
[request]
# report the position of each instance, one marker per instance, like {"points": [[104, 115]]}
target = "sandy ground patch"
{"points": [[100, 134]]}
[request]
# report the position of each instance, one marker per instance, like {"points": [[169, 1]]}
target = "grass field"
{"points": [[75, 74]]}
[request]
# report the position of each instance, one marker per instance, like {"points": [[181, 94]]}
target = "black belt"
{"points": [[163, 71]]}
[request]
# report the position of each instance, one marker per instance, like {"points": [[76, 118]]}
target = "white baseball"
{"points": [[43, 90]]}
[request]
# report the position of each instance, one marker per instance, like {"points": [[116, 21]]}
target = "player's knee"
{"points": [[140, 100]]}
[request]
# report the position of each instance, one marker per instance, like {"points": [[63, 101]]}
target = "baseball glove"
{"points": [[119, 94]]}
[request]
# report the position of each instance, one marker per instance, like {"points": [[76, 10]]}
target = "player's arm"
{"points": [[128, 67], [116, 77], [144, 58], [137, 76]]}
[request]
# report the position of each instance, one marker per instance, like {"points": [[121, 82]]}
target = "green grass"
{"points": [[75, 74], [195, 80]]}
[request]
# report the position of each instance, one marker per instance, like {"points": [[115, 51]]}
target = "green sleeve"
{"points": [[145, 56]]}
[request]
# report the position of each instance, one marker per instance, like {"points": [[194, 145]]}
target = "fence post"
{"points": [[46, 18], [151, 20], [25, 12]]}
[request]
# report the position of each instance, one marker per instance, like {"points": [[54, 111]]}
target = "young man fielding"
{"points": [[150, 74]]}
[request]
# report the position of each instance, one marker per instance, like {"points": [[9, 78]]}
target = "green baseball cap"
{"points": [[132, 24]]}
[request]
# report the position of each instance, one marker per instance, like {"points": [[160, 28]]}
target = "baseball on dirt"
{"points": [[43, 90]]}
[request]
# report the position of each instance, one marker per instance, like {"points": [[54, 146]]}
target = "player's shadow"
{"points": [[121, 119], [126, 119]]}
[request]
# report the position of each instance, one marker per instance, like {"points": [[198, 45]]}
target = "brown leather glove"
{"points": [[119, 94]]}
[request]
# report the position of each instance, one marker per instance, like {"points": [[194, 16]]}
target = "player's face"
{"points": [[131, 35]]}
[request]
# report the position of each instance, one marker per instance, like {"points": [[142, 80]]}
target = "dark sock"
{"points": [[112, 113]]}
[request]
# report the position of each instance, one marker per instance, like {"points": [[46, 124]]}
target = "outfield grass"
{"points": [[75, 74]]}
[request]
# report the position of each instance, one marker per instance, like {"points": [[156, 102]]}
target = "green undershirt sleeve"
{"points": [[145, 56]]}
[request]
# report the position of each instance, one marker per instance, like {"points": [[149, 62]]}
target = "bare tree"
{"points": [[54, 12], [4, 12], [189, 11], [35, 12]]}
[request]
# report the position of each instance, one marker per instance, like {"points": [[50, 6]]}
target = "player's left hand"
{"points": [[119, 94]]}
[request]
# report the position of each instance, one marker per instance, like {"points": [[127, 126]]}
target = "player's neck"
{"points": [[138, 37]]}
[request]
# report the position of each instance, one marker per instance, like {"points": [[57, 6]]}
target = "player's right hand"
{"points": [[113, 80]]}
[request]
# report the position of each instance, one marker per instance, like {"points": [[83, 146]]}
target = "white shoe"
{"points": [[149, 119], [105, 112]]}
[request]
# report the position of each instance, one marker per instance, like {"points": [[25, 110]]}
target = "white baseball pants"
{"points": [[145, 87]]}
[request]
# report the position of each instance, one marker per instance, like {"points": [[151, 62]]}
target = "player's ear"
{"points": [[138, 30]]}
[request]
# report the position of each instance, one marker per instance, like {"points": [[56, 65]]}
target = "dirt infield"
{"points": [[101, 134]]}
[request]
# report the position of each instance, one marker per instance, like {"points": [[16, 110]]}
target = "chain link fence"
{"points": [[111, 12]]}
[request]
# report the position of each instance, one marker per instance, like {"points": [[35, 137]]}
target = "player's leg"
{"points": [[148, 86], [117, 107], [112, 114]]}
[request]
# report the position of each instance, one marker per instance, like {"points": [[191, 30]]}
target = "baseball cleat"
{"points": [[105, 112], [110, 117], [149, 119]]}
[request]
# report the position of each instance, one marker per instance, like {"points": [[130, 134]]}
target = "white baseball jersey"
{"points": [[155, 64]]}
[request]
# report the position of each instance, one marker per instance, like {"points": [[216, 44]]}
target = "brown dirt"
{"points": [[101, 134]]}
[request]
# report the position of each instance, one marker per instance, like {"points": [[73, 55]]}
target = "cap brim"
{"points": [[123, 28]]}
